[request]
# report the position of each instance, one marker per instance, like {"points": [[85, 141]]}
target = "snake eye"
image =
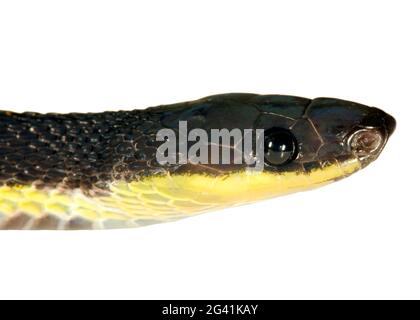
{"points": [[280, 146]]}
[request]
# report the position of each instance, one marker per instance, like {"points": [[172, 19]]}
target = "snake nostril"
{"points": [[366, 141]]}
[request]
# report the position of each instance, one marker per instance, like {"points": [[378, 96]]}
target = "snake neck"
{"points": [[74, 150]]}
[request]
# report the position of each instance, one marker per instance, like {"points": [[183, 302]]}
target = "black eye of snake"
{"points": [[280, 147]]}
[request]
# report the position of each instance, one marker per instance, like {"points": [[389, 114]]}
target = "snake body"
{"points": [[100, 170]]}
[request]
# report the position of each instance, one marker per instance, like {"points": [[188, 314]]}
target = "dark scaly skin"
{"points": [[88, 151], [74, 150]]}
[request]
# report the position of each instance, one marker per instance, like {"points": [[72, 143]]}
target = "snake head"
{"points": [[299, 133]]}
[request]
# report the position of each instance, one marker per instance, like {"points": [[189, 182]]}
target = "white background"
{"points": [[358, 238]]}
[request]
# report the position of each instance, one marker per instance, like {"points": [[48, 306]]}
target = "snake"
{"points": [[81, 171]]}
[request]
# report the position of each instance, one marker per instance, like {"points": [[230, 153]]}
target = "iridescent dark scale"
{"points": [[89, 150]]}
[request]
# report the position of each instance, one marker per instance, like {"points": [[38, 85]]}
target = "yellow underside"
{"points": [[160, 198]]}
